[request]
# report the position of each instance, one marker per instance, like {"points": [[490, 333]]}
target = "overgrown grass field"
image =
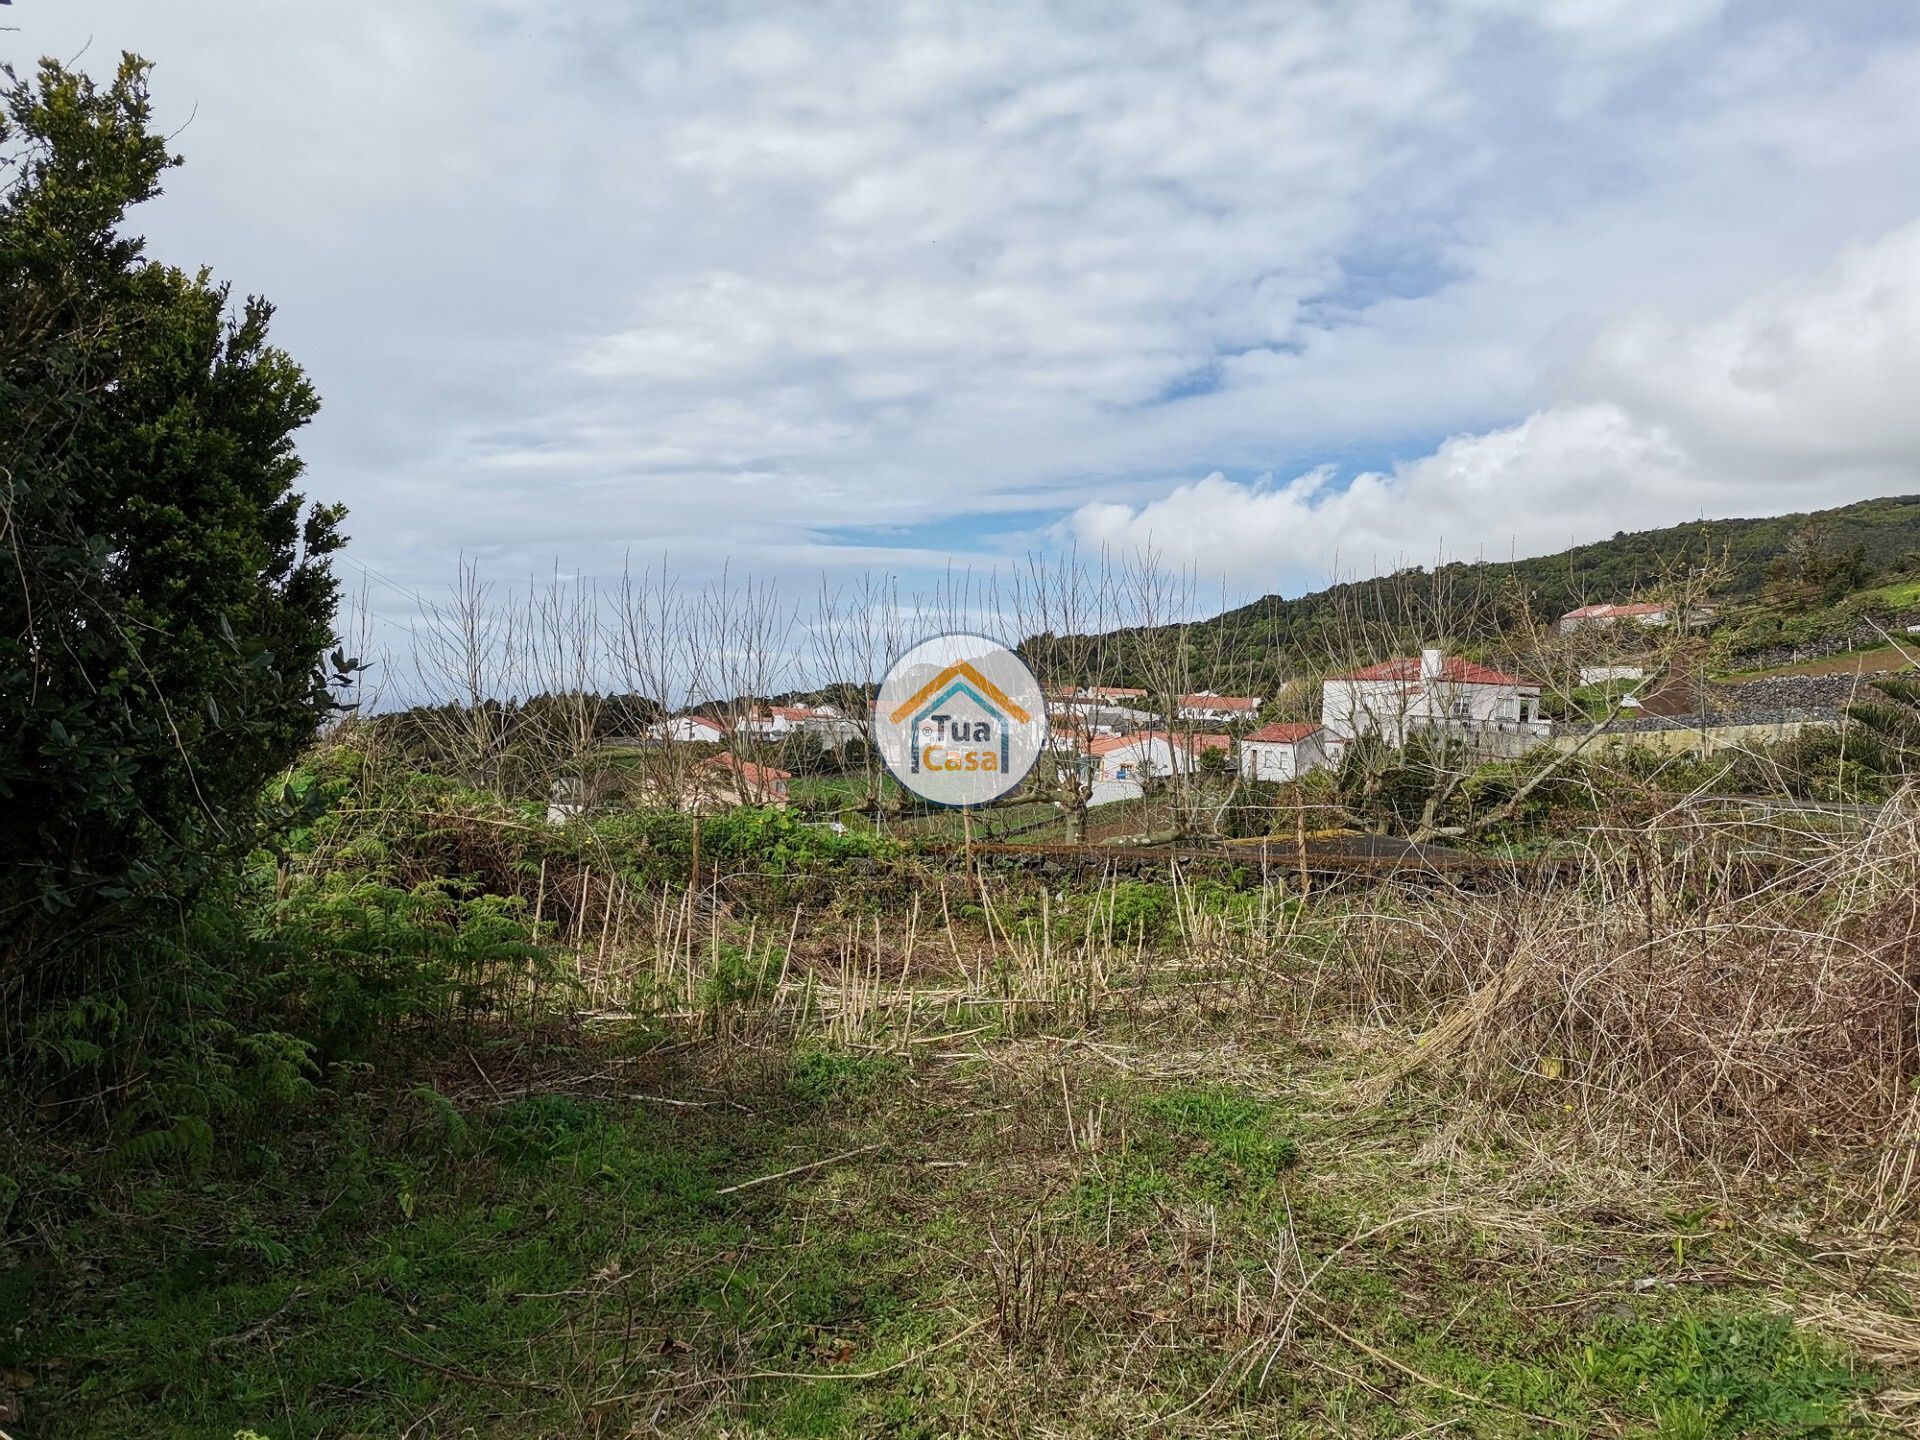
{"points": [[885, 1150]]}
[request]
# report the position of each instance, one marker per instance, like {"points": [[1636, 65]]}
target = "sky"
{"points": [[1282, 292]]}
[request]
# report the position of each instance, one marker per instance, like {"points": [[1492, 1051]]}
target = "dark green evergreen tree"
{"points": [[165, 593]]}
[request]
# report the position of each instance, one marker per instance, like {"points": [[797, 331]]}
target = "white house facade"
{"points": [[1151, 755], [1430, 690], [688, 728], [1283, 751]]}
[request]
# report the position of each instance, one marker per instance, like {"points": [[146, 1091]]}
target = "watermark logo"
{"points": [[960, 720]]}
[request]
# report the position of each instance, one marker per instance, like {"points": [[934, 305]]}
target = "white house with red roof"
{"points": [[1643, 613], [1283, 750], [1225, 709], [1431, 689], [780, 722], [1152, 754]]}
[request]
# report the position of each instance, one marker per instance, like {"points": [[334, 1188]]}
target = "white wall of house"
{"points": [[767, 726], [1391, 708], [1282, 759], [1147, 758], [833, 730], [685, 728], [1600, 674]]}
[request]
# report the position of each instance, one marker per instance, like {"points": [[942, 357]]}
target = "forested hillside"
{"points": [[1791, 562]]}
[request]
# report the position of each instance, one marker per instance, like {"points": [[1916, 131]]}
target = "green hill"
{"points": [[1789, 564]]}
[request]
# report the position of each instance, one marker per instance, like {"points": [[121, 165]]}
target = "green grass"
{"points": [[547, 1238], [1901, 594], [1596, 701], [370, 1265], [1722, 1373], [1880, 658], [833, 792]]}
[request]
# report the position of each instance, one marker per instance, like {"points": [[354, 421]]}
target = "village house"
{"points": [[1432, 689], [824, 723], [773, 722], [687, 729], [1649, 613], [1152, 755], [1284, 750], [1226, 709]]}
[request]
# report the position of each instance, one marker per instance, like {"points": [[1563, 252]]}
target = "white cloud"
{"points": [[734, 281], [1792, 401]]}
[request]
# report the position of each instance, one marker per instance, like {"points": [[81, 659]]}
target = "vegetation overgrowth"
{"points": [[836, 1137], [436, 1072]]}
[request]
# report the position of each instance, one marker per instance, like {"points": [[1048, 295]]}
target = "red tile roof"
{"points": [[1284, 732], [765, 776], [1453, 670], [1107, 744]]}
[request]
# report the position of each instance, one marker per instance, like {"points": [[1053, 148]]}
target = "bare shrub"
{"points": [[1702, 996], [1036, 1284]]}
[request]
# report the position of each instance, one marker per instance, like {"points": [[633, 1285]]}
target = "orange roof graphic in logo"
{"points": [[960, 670]]}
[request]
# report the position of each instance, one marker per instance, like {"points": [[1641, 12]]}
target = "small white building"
{"points": [[1225, 709], [1152, 755], [1430, 689], [1283, 751], [688, 729], [1605, 674], [1640, 613], [565, 800]]}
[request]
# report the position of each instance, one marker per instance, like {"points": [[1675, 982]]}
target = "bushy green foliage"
{"points": [[167, 597], [1139, 910], [1723, 1374], [178, 1012], [356, 957], [770, 840]]}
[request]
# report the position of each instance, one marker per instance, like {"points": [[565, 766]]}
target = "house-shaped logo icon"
{"points": [[959, 720], [956, 714]]}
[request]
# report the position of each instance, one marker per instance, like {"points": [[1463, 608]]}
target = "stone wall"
{"points": [[1861, 637], [1750, 705]]}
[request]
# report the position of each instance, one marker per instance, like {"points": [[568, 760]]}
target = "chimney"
{"points": [[1431, 662]]}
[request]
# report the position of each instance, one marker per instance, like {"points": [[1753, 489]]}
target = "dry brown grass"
{"points": [[1684, 1002]]}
